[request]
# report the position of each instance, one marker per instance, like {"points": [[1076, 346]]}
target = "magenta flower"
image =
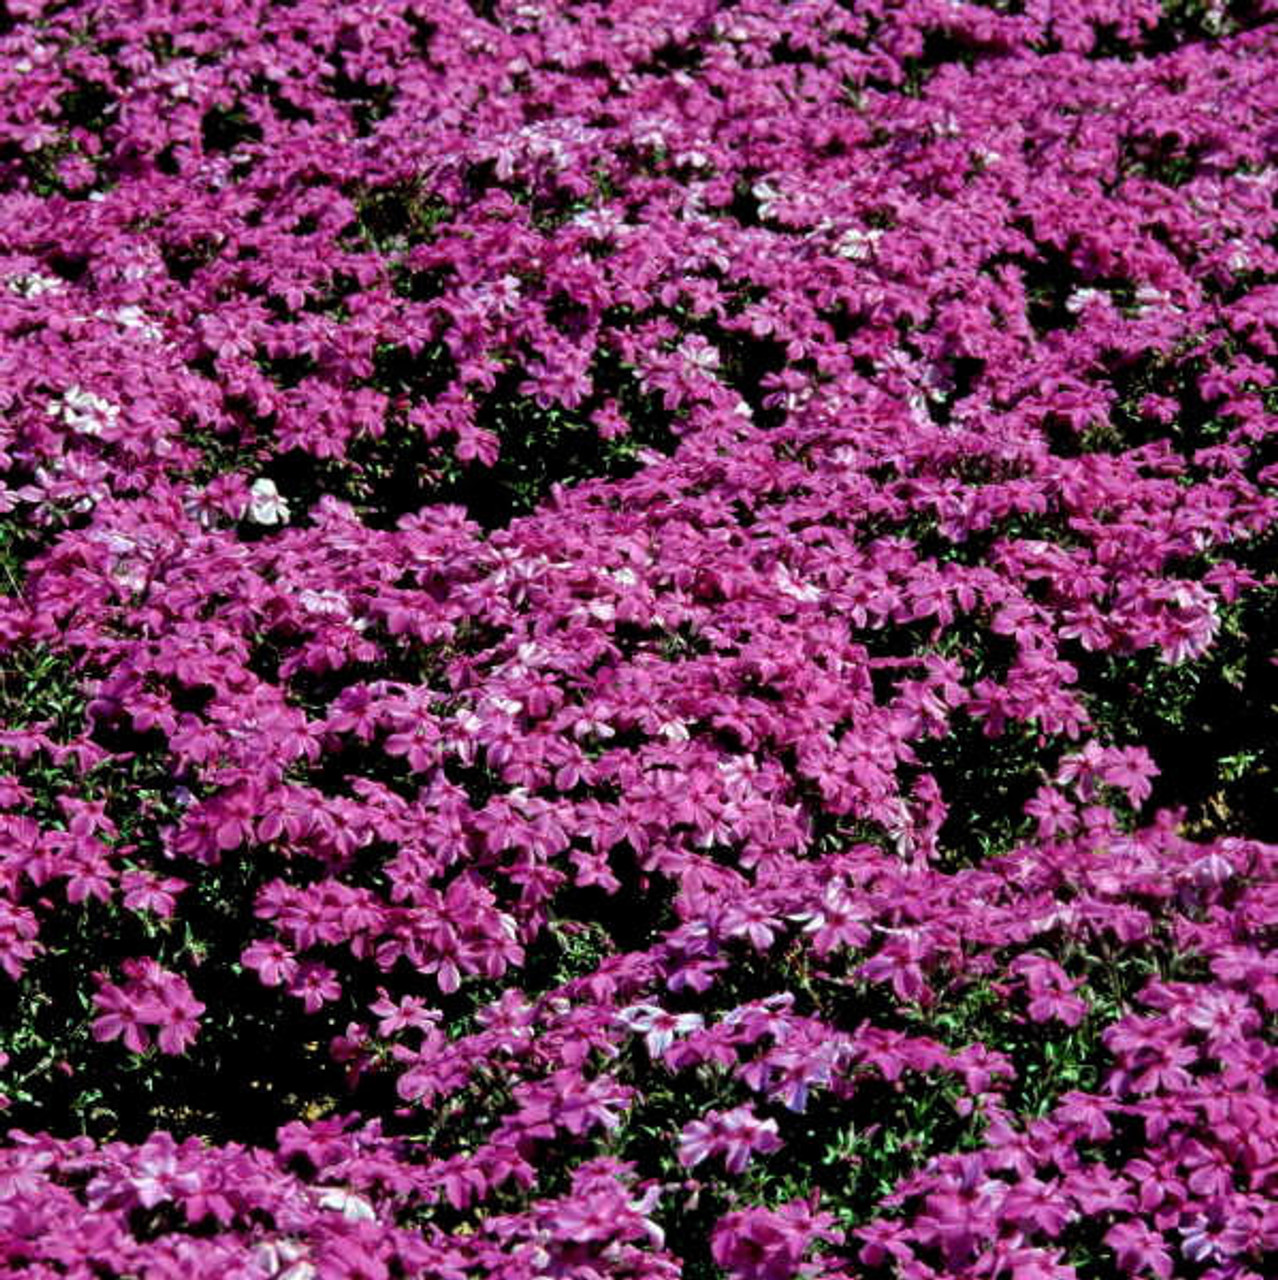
{"points": [[1055, 814], [661, 1029], [1222, 1232], [839, 921], [274, 962], [176, 1013], [146, 892], [152, 997], [736, 1135], [411, 1011], [315, 985], [1037, 1206], [1049, 989], [1139, 1248], [769, 1244], [125, 1015]]}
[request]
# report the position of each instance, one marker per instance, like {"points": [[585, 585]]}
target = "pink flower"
{"points": [[315, 984], [411, 1011], [144, 891], [1036, 1206], [124, 1015], [177, 1015], [660, 1027], [769, 1244], [1138, 1248], [838, 922], [736, 1135], [153, 997], [274, 962], [1055, 814]]}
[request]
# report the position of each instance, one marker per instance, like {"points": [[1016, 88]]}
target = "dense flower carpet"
{"points": [[638, 639]]}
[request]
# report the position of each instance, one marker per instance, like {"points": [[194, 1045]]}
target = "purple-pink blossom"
{"points": [[607, 560]]}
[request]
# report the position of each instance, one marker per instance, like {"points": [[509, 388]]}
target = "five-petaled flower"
{"points": [[736, 1135]]}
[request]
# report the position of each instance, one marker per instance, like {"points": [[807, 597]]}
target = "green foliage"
{"points": [[1207, 723], [396, 216], [38, 686], [242, 1078]]}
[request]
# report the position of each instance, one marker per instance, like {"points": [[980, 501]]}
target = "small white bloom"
{"points": [[136, 318], [352, 1207], [83, 411], [638, 1017], [1148, 298], [767, 197], [699, 353], [265, 504], [601, 223], [284, 1258], [1080, 298], [33, 284], [856, 244], [787, 584], [651, 136], [327, 603]]}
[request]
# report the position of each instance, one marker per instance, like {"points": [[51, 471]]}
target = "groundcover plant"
{"points": [[638, 639]]}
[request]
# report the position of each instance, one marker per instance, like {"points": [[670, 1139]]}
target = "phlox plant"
{"points": [[636, 640]]}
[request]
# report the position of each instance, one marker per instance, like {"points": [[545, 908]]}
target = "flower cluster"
{"points": [[625, 589], [151, 997], [769, 1244]]}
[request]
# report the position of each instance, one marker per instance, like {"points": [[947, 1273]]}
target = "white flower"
{"points": [[856, 244], [327, 603], [766, 196], [32, 285], [352, 1207], [507, 706], [83, 411], [601, 223], [136, 318], [787, 584], [285, 1259], [265, 504], [1080, 298], [699, 353]]}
